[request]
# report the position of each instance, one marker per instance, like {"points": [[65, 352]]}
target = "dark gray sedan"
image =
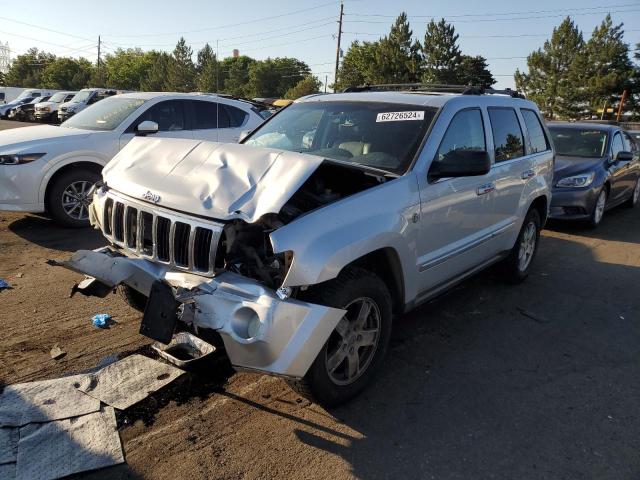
{"points": [[597, 168]]}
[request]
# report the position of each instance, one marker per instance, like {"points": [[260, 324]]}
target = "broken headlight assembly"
{"points": [[20, 158]]}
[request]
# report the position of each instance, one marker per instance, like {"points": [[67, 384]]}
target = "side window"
{"points": [[205, 114], [507, 134], [236, 116], [169, 115], [465, 132], [539, 142], [629, 143], [616, 145]]}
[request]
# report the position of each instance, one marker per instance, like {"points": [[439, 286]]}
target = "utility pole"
{"points": [[338, 49], [326, 79], [624, 97], [99, 45]]}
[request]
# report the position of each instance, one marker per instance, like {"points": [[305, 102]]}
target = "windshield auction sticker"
{"points": [[399, 116]]}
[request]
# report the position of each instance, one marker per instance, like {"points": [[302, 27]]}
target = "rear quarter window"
{"points": [[508, 140], [539, 141]]}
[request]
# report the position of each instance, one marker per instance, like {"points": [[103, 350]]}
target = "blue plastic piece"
{"points": [[101, 320], [3, 284]]}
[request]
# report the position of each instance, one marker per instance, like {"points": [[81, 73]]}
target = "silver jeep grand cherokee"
{"points": [[296, 248]]}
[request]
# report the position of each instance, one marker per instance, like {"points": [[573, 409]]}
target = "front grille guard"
{"points": [[184, 243]]}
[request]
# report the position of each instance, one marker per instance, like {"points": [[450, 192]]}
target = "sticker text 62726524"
{"points": [[399, 116]]}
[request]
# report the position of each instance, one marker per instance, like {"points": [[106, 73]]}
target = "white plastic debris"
{"points": [[44, 401], [56, 449], [128, 381]]}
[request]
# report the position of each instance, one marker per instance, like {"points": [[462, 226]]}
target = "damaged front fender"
{"points": [[260, 331]]}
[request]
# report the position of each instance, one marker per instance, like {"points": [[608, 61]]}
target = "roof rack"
{"points": [[436, 88]]}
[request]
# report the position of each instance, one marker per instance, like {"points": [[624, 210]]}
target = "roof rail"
{"points": [[436, 88]]}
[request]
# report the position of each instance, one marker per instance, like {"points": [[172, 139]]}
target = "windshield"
{"points": [[107, 114], [58, 97], [385, 136], [579, 142], [38, 100], [81, 96], [23, 95]]}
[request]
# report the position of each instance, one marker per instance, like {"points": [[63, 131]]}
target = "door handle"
{"points": [[486, 188], [527, 174]]}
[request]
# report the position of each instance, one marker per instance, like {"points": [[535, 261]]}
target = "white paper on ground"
{"points": [[8, 445], [44, 401], [129, 380], [60, 448], [8, 471]]}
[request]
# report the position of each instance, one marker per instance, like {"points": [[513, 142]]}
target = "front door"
{"points": [[170, 116]]}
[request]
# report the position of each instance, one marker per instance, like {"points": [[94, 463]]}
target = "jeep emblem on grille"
{"points": [[152, 197]]}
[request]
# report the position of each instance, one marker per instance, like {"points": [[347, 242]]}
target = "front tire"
{"points": [[68, 197], [518, 264], [354, 352], [635, 196], [598, 209], [134, 298]]}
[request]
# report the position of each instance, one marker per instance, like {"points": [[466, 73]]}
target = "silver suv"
{"points": [[296, 248]]}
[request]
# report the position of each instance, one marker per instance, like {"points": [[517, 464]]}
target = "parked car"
{"points": [[81, 100], [26, 111], [296, 247], [48, 111], [635, 134], [25, 97], [49, 168], [597, 168]]}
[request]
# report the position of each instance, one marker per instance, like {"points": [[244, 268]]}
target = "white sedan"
{"points": [[49, 168]]}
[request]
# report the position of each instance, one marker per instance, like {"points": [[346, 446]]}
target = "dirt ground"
{"points": [[538, 380]]}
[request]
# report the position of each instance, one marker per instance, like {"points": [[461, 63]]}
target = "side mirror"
{"points": [[243, 134], [461, 163], [146, 128], [624, 156]]}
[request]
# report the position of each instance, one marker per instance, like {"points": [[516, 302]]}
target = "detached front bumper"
{"points": [[260, 331]]}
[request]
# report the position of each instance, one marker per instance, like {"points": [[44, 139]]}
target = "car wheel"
{"points": [[134, 298], [598, 209], [517, 265], [354, 352], [635, 196], [68, 199]]}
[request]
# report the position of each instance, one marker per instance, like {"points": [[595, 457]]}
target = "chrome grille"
{"points": [[185, 243]]}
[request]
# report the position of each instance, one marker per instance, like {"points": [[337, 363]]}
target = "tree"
{"points": [[181, 71], [475, 71], [127, 69], [273, 77], [397, 56], [441, 54], [26, 70], [552, 77], [156, 80], [307, 86], [604, 70], [66, 74], [358, 66], [234, 72], [207, 70]]}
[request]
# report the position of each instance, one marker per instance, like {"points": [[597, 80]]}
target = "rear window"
{"points": [[508, 141], [539, 142], [236, 116]]}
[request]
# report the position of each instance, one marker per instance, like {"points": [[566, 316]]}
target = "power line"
{"points": [[47, 29], [71, 49]]}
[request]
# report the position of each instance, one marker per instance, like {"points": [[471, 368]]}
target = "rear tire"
{"points": [[517, 265], [67, 199], [134, 298], [354, 352], [635, 196]]}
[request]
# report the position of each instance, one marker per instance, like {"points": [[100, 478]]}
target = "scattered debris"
{"points": [[184, 349], [533, 316], [19, 275], [128, 381], [57, 353], [44, 401], [57, 449], [8, 445], [101, 320], [4, 284]]}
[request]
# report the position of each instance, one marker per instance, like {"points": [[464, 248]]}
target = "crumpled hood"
{"points": [[216, 180], [566, 166], [15, 140]]}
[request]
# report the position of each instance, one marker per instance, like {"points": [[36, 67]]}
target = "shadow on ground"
{"points": [[46, 233]]}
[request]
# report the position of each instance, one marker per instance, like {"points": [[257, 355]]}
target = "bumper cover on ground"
{"points": [[260, 331]]}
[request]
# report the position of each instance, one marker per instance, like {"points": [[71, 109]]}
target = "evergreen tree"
{"points": [[358, 66], [553, 72], [181, 71], [397, 56], [441, 55], [156, 79], [307, 86], [207, 70], [474, 71]]}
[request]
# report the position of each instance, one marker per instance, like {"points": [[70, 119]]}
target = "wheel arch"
{"points": [[541, 204], [52, 176]]}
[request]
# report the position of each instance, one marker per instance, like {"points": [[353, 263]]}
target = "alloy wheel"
{"points": [[636, 192], [352, 345], [76, 200], [599, 210], [527, 246]]}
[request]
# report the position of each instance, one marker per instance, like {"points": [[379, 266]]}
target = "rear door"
{"points": [[211, 122], [170, 115], [620, 170]]}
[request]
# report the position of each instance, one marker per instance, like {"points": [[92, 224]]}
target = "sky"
{"points": [[503, 32]]}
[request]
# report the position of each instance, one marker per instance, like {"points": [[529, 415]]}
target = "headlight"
{"points": [[582, 180], [20, 158], [45, 109]]}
